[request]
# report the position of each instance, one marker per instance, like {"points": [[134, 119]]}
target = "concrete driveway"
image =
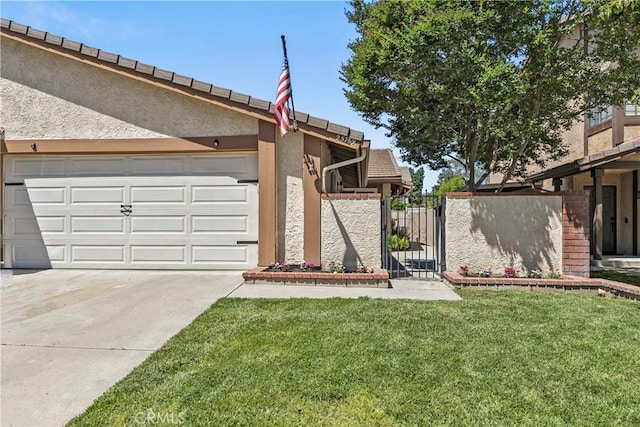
{"points": [[68, 335]]}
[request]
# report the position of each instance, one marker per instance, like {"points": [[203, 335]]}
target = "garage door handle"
{"points": [[247, 242], [125, 210]]}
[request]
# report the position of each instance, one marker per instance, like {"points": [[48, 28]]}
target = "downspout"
{"points": [[364, 151]]}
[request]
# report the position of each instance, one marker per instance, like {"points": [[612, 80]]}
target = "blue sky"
{"points": [[230, 44]]}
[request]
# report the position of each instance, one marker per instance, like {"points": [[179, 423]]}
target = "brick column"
{"points": [[575, 234]]}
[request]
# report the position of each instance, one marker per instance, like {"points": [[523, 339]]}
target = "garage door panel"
{"points": [[158, 254], [201, 194], [98, 253], [49, 196], [102, 166], [56, 253], [51, 224], [240, 167], [98, 224], [23, 226], [28, 254], [19, 169], [159, 166], [16, 198], [158, 224], [219, 254], [218, 224], [158, 194], [97, 195]]}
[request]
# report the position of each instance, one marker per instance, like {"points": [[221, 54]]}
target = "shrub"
{"points": [[464, 270], [336, 267], [535, 274], [485, 272], [553, 274], [398, 205], [398, 243], [510, 272]]}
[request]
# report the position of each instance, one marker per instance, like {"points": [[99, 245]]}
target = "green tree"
{"points": [[455, 183], [415, 194], [451, 178], [488, 84]]}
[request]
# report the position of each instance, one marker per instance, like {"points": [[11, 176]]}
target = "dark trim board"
{"points": [[634, 210]]}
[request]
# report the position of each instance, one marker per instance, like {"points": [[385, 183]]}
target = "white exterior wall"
{"points": [[351, 232], [45, 95], [290, 193], [524, 232]]}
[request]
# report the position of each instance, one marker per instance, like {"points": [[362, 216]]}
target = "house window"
{"points": [[631, 109], [599, 115]]}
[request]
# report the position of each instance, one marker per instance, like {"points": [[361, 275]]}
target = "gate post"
{"points": [[383, 231]]}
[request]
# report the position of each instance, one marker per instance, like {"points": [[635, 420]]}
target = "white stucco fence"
{"points": [[506, 230], [351, 230]]}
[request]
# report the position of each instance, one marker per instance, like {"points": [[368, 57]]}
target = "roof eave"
{"points": [[587, 163]]}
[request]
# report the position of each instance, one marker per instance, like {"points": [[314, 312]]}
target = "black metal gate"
{"points": [[412, 237]]}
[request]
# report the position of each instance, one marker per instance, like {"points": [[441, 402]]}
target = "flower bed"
{"points": [[509, 272], [564, 284], [377, 278]]}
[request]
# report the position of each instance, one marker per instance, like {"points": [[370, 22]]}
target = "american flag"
{"points": [[284, 93]]}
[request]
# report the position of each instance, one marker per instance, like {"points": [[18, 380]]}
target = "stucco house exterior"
{"points": [[604, 161], [107, 162]]}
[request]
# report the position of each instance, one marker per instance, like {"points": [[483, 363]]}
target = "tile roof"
{"points": [[406, 176], [342, 133], [382, 164]]}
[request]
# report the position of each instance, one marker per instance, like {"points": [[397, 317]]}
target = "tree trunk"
{"points": [[512, 166]]}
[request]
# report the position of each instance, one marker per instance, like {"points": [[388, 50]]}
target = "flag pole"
{"points": [[286, 61]]}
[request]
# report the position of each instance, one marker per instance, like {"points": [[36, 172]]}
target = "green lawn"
{"points": [[618, 277], [496, 358]]}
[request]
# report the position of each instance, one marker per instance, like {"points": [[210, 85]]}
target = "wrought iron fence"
{"points": [[412, 238]]}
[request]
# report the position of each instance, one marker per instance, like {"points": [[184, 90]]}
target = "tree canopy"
{"points": [[491, 85]]}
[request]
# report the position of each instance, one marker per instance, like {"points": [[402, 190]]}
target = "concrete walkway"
{"points": [[401, 289]]}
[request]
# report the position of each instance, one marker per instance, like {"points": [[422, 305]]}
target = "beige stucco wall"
{"points": [[631, 132], [351, 232], [583, 180], [600, 141], [504, 230], [573, 140], [45, 95], [290, 193]]}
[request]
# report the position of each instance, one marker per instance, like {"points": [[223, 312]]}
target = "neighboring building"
{"points": [[604, 160], [385, 175], [107, 162]]}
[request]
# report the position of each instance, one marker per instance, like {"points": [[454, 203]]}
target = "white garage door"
{"points": [[195, 220]]}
